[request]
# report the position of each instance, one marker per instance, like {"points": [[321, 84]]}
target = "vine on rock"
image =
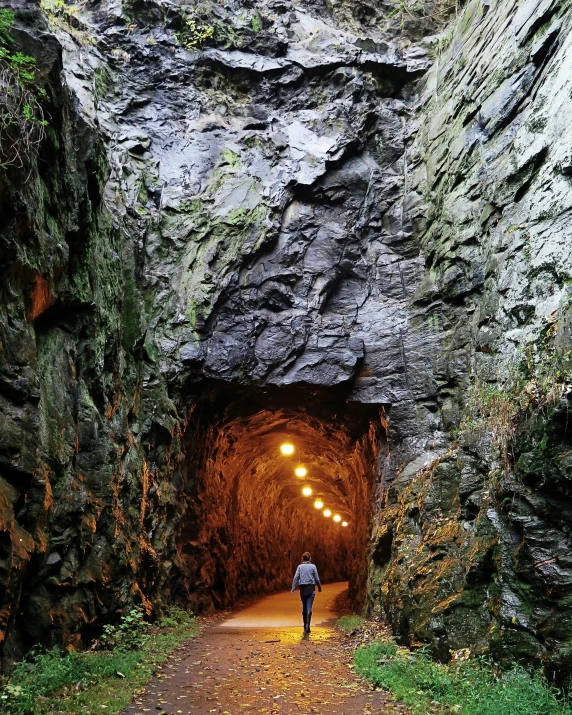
{"points": [[22, 121]]}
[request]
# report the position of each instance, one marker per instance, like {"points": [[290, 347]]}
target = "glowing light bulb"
{"points": [[344, 523], [307, 491], [300, 471], [337, 518], [287, 448], [318, 504], [327, 512]]}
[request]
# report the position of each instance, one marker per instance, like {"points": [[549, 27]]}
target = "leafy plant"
{"points": [[93, 681], [131, 633], [22, 122], [64, 17], [177, 617], [195, 34]]}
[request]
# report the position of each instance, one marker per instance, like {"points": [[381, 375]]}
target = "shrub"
{"points": [[22, 122], [195, 34], [177, 617], [131, 633]]}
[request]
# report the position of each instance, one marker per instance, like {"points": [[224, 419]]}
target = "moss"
{"points": [[232, 159], [102, 83]]}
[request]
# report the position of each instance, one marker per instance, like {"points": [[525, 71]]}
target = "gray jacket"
{"points": [[305, 575]]}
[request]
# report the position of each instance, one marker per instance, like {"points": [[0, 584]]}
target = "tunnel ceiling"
{"points": [[324, 444]]}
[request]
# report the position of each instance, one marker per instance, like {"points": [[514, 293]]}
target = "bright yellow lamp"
{"points": [[287, 448], [337, 518], [300, 471], [307, 491], [344, 523], [318, 504], [327, 512]]}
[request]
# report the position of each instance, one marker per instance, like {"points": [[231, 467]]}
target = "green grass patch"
{"points": [[95, 681], [350, 623], [465, 687]]}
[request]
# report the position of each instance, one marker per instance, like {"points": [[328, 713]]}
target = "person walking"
{"points": [[306, 577]]}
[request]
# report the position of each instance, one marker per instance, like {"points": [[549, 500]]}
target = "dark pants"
{"points": [[307, 597]]}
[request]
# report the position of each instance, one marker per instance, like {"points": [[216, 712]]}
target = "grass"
{"points": [[94, 681], [350, 623], [465, 687]]}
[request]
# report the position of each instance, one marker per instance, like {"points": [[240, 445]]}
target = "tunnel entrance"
{"points": [[249, 508]]}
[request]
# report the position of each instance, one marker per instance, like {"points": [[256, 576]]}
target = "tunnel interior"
{"points": [[244, 520]]}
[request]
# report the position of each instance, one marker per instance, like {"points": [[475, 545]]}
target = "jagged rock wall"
{"points": [[292, 204], [473, 548], [76, 489]]}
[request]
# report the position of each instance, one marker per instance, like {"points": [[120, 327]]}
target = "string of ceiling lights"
{"points": [[288, 449]]}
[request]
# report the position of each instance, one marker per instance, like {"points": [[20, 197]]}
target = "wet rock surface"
{"points": [[317, 197]]}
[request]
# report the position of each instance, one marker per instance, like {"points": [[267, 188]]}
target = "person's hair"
{"points": [[306, 556]]}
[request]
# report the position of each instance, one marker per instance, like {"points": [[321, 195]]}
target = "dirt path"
{"points": [[258, 661]]}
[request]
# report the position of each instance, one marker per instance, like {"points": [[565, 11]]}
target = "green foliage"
{"points": [[97, 680], [131, 633], [350, 623], [6, 22], [23, 66], [256, 22], [22, 123], [62, 15], [467, 686], [530, 387], [53, 671], [195, 34], [201, 29], [177, 617]]}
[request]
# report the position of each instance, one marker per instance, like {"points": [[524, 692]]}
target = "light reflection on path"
{"points": [[284, 610]]}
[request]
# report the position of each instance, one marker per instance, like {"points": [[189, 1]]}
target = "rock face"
{"points": [[319, 222], [481, 547]]}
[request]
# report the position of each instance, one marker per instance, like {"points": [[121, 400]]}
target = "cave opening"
{"points": [[250, 506]]}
